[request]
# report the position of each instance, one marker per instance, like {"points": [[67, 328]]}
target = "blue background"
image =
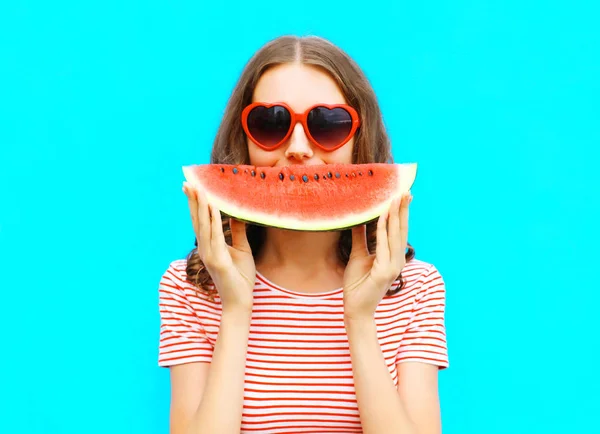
{"points": [[102, 102]]}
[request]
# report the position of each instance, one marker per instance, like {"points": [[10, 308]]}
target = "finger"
{"points": [[394, 232], [359, 241], [239, 239], [203, 222], [192, 204], [382, 253], [404, 221], [218, 239]]}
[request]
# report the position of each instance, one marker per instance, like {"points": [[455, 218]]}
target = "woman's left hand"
{"points": [[369, 276]]}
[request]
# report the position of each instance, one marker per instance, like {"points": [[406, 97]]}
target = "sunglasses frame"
{"points": [[302, 118]]}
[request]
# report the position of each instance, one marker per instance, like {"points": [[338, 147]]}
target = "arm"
{"points": [[215, 407], [187, 386], [206, 377], [208, 397], [418, 389], [413, 408]]}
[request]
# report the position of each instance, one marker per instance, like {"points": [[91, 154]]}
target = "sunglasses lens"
{"points": [[268, 125], [329, 127]]}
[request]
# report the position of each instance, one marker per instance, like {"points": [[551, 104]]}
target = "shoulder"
{"points": [[420, 271], [175, 274], [421, 277], [174, 283]]}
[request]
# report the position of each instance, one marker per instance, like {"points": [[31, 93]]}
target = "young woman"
{"points": [[274, 331]]}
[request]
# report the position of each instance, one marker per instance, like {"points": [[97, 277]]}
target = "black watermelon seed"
{"points": [[316, 177], [262, 175], [370, 172], [304, 178], [281, 176], [337, 175], [347, 176], [235, 170], [222, 170], [253, 173], [292, 177], [359, 173], [329, 174]]}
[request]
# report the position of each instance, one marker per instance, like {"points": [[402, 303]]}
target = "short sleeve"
{"points": [[182, 337], [425, 337]]}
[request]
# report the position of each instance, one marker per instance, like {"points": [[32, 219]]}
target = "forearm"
{"points": [[379, 404], [220, 411]]}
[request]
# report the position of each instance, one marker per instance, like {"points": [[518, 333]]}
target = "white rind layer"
{"points": [[406, 174]]}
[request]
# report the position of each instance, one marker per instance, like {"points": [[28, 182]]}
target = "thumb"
{"points": [[239, 239], [359, 241]]}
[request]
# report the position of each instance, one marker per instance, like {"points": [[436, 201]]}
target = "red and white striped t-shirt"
{"points": [[298, 367]]}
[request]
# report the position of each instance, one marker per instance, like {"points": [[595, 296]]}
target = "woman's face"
{"points": [[300, 86]]}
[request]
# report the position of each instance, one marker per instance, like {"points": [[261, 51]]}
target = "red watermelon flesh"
{"points": [[299, 197]]}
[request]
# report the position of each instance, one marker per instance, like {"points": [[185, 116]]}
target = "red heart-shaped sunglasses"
{"points": [[328, 126]]}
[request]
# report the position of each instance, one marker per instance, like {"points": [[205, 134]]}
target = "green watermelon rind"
{"points": [[407, 178]]}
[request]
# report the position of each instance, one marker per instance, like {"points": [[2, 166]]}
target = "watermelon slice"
{"points": [[299, 197]]}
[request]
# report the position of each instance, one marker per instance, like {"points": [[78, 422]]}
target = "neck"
{"points": [[311, 251]]}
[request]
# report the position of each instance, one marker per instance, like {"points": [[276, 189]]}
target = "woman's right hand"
{"points": [[231, 268]]}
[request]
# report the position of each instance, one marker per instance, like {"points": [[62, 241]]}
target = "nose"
{"points": [[299, 145]]}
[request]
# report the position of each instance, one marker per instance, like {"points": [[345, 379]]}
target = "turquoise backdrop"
{"points": [[102, 102]]}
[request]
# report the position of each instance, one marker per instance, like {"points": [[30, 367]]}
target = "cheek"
{"points": [[341, 155], [260, 157]]}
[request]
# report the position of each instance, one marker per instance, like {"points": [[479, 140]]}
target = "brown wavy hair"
{"points": [[371, 142]]}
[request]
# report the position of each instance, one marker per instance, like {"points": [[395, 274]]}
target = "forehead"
{"points": [[298, 85]]}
